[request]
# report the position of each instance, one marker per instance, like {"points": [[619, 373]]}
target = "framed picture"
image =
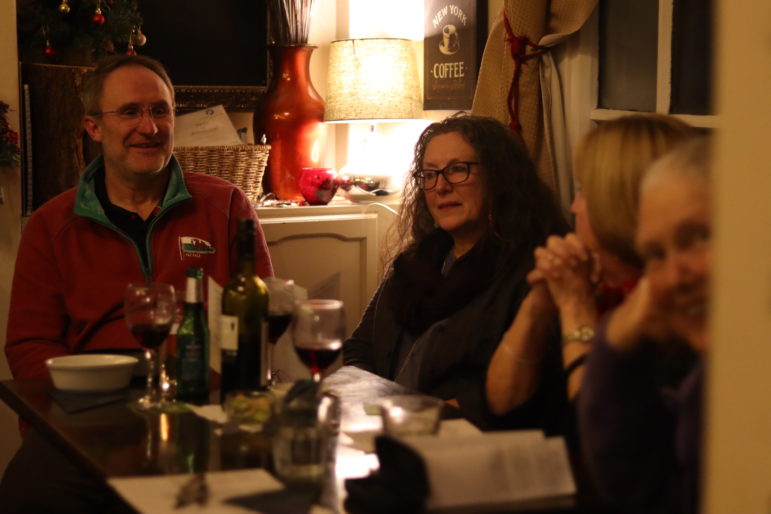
{"points": [[215, 52], [454, 38]]}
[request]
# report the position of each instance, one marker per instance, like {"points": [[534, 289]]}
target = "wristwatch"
{"points": [[583, 334]]}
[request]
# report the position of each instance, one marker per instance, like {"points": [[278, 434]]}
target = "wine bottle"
{"points": [[193, 343], [243, 327]]}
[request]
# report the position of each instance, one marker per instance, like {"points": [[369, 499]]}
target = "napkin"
{"points": [[158, 494], [212, 412], [78, 402], [365, 440]]}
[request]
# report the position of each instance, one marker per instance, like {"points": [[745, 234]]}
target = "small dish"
{"points": [[360, 196], [92, 372], [249, 408]]}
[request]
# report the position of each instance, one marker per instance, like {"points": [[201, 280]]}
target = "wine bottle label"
{"points": [[191, 361], [228, 332]]}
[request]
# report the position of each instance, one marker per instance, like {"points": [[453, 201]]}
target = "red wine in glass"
{"points": [[149, 309], [318, 329], [277, 325], [318, 355], [149, 335]]}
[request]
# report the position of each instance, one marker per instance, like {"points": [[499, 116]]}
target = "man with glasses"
{"points": [[134, 216]]}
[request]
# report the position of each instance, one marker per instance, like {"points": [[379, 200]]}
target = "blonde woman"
{"points": [[579, 276]]}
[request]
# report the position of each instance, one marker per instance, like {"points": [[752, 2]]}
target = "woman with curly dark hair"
{"points": [[472, 214]]}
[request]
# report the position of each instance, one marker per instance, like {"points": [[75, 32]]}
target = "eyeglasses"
{"points": [[454, 173], [134, 113]]}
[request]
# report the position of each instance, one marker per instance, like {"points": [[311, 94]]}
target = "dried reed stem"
{"points": [[290, 20]]}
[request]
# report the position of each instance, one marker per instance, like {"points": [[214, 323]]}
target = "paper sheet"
{"points": [[158, 494], [494, 467], [214, 296], [207, 127]]}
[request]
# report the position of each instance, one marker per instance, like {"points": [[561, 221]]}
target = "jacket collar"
{"points": [[87, 203]]}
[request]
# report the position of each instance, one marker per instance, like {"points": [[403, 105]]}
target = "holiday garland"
{"points": [[9, 140], [73, 31]]}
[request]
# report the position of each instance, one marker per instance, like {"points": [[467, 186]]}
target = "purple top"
{"points": [[641, 440]]}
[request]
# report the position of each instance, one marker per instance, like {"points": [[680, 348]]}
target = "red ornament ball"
{"points": [[131, 51], [98, 18], [48, 51]]}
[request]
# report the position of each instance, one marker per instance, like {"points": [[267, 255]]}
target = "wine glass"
{"points": [[280, 306], [150, 309], [318, 330]]}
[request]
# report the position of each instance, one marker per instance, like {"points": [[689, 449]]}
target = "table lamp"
{"points": [[372, 80]]}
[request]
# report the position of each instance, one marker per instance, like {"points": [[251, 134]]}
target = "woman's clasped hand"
{"points": [[569, 268]]}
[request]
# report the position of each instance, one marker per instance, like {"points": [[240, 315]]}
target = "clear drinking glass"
{"points": [[150, 309], [405, 414], [318, 329], [303, 440]]}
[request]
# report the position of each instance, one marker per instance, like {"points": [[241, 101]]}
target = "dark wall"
{"points": [[206, 42]]}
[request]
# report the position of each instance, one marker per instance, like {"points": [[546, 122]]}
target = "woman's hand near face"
{"points": [[570, 272], [539, 291], [514, 372], [636, 319]]}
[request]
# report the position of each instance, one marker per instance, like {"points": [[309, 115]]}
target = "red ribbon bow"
{"points": [[518, 46]]}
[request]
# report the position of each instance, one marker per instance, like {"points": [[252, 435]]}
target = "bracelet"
{"points": [[583, 334], [518, 359], [575, 364]]}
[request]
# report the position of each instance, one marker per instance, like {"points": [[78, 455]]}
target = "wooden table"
{"points": [[117, 441]]}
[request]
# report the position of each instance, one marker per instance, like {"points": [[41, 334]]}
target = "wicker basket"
{"points": [[242, 165]]}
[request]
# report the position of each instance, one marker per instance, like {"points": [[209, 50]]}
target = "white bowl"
{"points": [[91, 372]]}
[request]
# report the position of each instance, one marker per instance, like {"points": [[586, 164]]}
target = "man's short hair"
{"points": [[93, 86]]}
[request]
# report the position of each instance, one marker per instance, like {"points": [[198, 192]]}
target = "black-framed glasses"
{"points": [[454, 173], [135, 113]]}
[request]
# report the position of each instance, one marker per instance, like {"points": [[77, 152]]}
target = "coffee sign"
{"points": [[452, 47]]}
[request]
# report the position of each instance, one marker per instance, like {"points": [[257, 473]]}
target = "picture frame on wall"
{"points": [[454, 38], [217, 52]]}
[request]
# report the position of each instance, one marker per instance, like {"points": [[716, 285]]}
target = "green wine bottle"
{"points": [[243, 328], [193, 343]]}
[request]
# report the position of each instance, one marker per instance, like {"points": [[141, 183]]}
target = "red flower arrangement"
{"points": [[9, 140]]}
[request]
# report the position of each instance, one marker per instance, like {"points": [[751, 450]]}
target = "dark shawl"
{"points": [[458, 321]]}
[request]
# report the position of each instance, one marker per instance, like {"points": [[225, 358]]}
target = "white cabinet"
{"points": [[334, 251]]}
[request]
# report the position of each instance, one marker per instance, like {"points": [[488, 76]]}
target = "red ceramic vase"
{"points": [[291, 117]]}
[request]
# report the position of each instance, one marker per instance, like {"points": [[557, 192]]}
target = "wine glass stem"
{"points": [[150, 358]]}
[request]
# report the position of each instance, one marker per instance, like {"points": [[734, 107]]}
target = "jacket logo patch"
{"points": [[194, 247]]}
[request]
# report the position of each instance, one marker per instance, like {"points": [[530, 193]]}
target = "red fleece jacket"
{"points": [[72, 270]]}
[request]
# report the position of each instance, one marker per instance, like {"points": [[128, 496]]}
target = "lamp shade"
{"points": [[372, 79]]}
